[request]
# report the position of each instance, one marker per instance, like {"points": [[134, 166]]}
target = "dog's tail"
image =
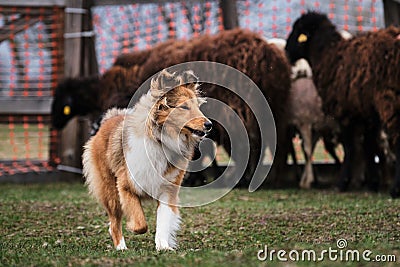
{"points": [[89, 170], [105, 116]]}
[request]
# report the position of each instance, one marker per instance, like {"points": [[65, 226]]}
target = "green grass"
{"points": [[60, 225]]}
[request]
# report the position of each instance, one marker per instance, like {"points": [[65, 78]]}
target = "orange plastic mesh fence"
{"points": [[31, 53], [31, 64]]}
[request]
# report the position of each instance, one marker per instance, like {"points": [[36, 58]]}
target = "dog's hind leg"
{"points": [[168, 221], [131, 205], [115, 231], [114, 212]]}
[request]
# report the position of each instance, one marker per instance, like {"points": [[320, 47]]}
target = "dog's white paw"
{"points": [[162, 244], [121, 245]]}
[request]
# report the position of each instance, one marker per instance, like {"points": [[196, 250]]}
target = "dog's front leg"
{"points": [[168, 221]]}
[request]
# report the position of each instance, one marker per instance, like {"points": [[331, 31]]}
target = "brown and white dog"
{"points": [[129, 157]]}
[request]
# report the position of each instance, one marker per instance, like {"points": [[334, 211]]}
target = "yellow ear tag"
{"points": [[67, 110], [302, 38]]}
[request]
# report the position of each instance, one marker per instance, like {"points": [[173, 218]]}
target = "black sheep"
{"points": [[73, 97], [359, 83], [92, 95]]}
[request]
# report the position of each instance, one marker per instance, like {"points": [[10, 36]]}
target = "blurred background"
{"points": [[41, 42]]}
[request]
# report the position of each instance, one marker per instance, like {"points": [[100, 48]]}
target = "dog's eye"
{"points": [[184, 107]]}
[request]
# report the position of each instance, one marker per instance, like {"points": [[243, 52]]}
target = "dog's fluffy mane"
{"points": [[162, 91]]}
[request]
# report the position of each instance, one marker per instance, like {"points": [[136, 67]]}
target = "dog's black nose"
{"points": [[208, 125]]}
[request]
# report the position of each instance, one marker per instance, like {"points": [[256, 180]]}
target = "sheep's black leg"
{"points": [[348, 146], [370, 146], [330, 148], [314, 144], [292, 153], [395, 192], [280, 159]]}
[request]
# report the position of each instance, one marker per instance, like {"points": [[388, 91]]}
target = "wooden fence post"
{"points": [[89, 64], [80, 60], [229, 14], [392, 12]]}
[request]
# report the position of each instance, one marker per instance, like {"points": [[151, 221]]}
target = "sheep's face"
{"points": [[304, 28], [74, 96], [62, 110]]}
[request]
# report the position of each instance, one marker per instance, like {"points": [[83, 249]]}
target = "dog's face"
{"points": [[177, 111]]}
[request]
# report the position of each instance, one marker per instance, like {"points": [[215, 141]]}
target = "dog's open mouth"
{"points": [[196, 132]]}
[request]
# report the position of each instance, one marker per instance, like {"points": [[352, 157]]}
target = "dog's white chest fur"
{"points": [[147, 164]]}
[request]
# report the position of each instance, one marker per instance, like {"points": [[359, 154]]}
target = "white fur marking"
{"points": [[121, 245], [301, 68], [167, 225], [280, 43], [144, 172]]}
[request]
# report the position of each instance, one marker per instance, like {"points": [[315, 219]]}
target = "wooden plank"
{"points": [[34, 3], [41, 177], [229, 14], [32, 11], [73, 24], [25, 106], [131, 2]]}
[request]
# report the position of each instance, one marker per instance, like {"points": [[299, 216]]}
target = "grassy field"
{"points": [[60, 225]]}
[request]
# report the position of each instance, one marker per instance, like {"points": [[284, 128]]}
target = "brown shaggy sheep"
{"points": [[247, 52], [241, 49], [359, 83]]}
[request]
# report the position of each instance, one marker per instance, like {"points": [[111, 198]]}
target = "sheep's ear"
{"points": [[302, 38], [189, 79], [162, 83]]}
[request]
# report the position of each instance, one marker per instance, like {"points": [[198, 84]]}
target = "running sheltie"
{"points": [[144, 151]]}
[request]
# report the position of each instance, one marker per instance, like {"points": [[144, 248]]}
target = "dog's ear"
{"points": [[188, 79], [163, 104], [162, 83]]}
